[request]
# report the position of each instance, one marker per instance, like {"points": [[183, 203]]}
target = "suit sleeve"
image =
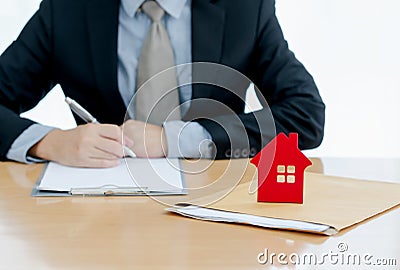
{"points": [[25, 72], [287, 88]]}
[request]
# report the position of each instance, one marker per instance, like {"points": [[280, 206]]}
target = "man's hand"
{"points": [[90, 145], [148, 140]]}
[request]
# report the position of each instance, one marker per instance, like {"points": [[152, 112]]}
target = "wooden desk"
{"points": [[136, 233]]}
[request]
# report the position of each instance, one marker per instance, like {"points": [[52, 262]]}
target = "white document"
{"points": [[266, 222], [131, 176]]}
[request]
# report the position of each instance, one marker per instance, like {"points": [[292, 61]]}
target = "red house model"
{"points": [[281, 168]]}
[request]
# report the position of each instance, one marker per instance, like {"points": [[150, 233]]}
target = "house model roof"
{"points": [[281, 147]]}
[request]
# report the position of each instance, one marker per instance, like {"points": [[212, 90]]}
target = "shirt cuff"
{"points": [[188, 139], [28, 138]]}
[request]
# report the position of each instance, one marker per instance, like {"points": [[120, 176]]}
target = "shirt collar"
{"points": [[172, 7]]}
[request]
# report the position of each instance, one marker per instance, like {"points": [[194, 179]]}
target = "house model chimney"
{"points": [[293, 140]]}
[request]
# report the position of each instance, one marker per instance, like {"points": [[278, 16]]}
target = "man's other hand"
{"points": [[148, 140], [90, 145]]}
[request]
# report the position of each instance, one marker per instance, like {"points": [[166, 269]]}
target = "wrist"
{"points": [[45, 147]]}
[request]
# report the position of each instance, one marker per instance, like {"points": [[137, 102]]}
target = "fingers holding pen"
{"points": [[90, 145], [115, 133], [105, 141]]}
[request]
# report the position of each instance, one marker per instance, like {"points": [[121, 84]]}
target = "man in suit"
{"points": [[91, 48]]}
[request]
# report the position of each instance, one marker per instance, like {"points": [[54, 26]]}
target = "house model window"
{"points": [[286, 174]]}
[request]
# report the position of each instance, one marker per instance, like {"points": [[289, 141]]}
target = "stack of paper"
{"points": [[232, 217], [131, 177]]}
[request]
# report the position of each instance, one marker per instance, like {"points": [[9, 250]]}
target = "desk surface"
{"points": [[136, 232]]}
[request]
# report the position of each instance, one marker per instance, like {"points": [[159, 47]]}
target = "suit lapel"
{"points": [[207, 31], [103, 37], [208, 22]]}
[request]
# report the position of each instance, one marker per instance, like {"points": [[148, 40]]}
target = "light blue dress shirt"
{"points": [[184, 139]]}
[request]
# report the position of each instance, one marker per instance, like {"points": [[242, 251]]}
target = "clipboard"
{"points": [[133, 177], [331, 204]]}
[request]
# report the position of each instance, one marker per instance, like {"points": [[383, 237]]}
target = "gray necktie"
{"points": [[157, 99]]}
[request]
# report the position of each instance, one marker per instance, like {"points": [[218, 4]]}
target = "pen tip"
{"points": [[68, 100]]}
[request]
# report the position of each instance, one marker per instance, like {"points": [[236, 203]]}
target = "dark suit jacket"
{"points": [[74, 43]]}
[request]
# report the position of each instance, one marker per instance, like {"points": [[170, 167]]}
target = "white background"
{"points": [[350, 47]]}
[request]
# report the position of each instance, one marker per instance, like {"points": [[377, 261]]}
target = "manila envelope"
{"points": [[334, 201]]}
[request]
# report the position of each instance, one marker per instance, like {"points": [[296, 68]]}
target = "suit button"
{"points": [[236, 153], [228, 153], [245, 153], [253, 152]]}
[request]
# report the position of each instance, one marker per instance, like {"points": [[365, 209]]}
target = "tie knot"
{"points": [[153, 10]]}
